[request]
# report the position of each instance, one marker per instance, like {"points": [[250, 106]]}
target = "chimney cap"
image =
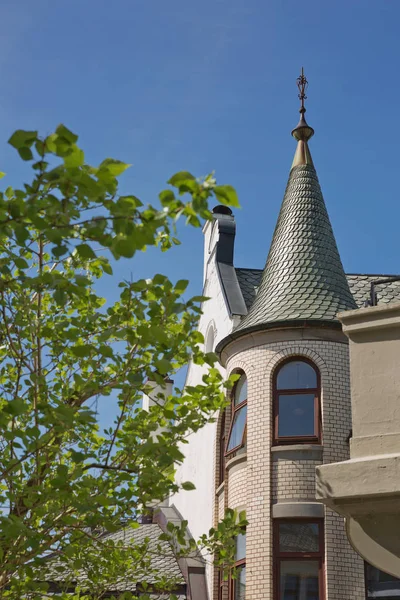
{"points": [[221, 210]]}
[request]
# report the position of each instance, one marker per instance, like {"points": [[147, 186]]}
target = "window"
{"points": [[222, 441], [298, 555], [209, 344], [237, 587], [237, 433], [297, 403], [380, 584]]}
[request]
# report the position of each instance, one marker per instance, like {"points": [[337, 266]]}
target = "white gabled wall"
{"points": [[197, 506]]}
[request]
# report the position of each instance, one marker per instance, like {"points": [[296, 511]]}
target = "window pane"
{"points": [[240, 583], [296, 375], [296, 415], [298, 537], [240, 391], [240, 552], [299, 580], [239, 423], [380, 584]]}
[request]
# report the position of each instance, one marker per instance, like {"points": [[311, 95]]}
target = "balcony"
{"points": [[366, 488]]}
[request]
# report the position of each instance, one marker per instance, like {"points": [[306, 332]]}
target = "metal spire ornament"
{"points": [[302, 131]]}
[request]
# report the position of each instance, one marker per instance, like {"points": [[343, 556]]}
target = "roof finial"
{"points": [[303, 131], [302, 84]]}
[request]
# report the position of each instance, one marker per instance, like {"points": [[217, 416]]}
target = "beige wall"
{"points": [[273, 479], [366, 488]]}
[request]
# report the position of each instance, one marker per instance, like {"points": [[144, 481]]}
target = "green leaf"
{"points": [[25, 153], [60, 297], [21, 138], [58, 251], [65, 133], [125, 246], [188, 486], [105, 265], [163, 366], [77, 457], [226, 194], [2, 174], [180, 177], [21, 234], [115, 167], [21, 263], [85, 251], [75, 159], [81, 351], [181, 285], [15, 407], [166, 197]]}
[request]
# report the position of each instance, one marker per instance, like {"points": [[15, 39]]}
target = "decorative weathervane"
{"points": [[302, 84], [302, 131]]}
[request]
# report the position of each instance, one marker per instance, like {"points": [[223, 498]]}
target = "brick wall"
{"points": [[283, 479], [237, 490], [293, 479]]}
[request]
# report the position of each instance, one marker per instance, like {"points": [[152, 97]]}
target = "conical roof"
{"points": [[303, 279]]}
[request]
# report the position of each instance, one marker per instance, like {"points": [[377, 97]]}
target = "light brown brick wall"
{"points": [[293, 479], [237, 492], [285, 480], [220, 500]]}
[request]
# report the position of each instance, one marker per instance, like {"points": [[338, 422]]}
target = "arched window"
{"points": [[297, 393], [209, 345], [237, 432]]}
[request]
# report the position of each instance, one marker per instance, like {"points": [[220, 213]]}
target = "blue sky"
{"points": [[210, 85]]}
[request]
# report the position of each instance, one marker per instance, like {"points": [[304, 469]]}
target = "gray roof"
{"points": [[303, 278], [360, 285], [162, 563]]}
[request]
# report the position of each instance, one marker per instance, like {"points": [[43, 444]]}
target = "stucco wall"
{"points": [[197, 506]]}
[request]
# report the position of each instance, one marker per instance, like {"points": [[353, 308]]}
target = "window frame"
{"points": [[234, 410], [279, 557], [221, 586], [232, 582], [297, 439], [221, 449], [238, 563], [379, 586]]}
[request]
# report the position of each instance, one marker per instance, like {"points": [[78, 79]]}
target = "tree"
{"points": [[61, 477]]}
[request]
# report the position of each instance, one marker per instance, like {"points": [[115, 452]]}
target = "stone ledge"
{"points": [[292, 510], [240, 459], [297, 452], [220, 489], [359, 486], [361, 320]]}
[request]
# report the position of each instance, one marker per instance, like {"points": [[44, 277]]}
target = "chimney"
{"points": [[219, 238]]}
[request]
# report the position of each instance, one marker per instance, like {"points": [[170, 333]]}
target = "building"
{"points": [[366, 488], [290, 409]]}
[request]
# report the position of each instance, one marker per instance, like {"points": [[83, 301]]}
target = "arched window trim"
{"points": [[210, 336], [317, 437], [234, 410]]}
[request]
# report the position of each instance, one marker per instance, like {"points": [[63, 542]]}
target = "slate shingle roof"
{"points": [[303, 278], [163, 560], [163, 563], [360, 285]]}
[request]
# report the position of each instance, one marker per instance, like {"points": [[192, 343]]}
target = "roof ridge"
{"points": [[372, 274]]}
